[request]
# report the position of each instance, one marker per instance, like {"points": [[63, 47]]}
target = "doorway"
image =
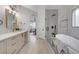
{"points": [[33, 25], [51, 24]]}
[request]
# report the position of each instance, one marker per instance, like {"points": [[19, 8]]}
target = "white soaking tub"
{"points": [[70, 43]]}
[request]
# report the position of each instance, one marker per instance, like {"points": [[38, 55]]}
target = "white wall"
{"points": [[62, 20], [40, 23], [2, 17]]}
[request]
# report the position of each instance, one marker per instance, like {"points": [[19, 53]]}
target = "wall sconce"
{"points": [[10, 9]]}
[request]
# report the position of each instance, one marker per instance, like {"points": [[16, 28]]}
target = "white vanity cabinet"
{"points": [[12, 43]]}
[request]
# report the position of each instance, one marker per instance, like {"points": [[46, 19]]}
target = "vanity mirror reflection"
{"points": [[11, 21]]}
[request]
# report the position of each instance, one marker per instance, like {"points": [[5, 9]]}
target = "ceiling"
{"points": [[36, 7]]}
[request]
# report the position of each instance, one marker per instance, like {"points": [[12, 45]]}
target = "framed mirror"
{"points": [[10, 20]]}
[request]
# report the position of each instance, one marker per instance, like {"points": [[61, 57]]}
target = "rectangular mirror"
{"points": [[10, 20]]}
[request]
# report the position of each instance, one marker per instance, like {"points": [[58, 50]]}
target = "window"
{"points": [[75, 18]]}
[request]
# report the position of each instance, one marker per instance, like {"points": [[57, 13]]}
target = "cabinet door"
{"points": [[18, 44], [11, 45], [3, 47], [20, 41], [25, 37]]}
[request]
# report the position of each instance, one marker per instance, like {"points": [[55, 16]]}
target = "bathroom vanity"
{"points": [[13, 42]]}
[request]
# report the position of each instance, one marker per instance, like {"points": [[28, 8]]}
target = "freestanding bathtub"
{"points": [[66, 44]]}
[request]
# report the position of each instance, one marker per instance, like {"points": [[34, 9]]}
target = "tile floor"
{"points": [[36, 46]]}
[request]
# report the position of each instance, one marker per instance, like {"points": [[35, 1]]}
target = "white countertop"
{"points": [[68, 40], [10, 34]]}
